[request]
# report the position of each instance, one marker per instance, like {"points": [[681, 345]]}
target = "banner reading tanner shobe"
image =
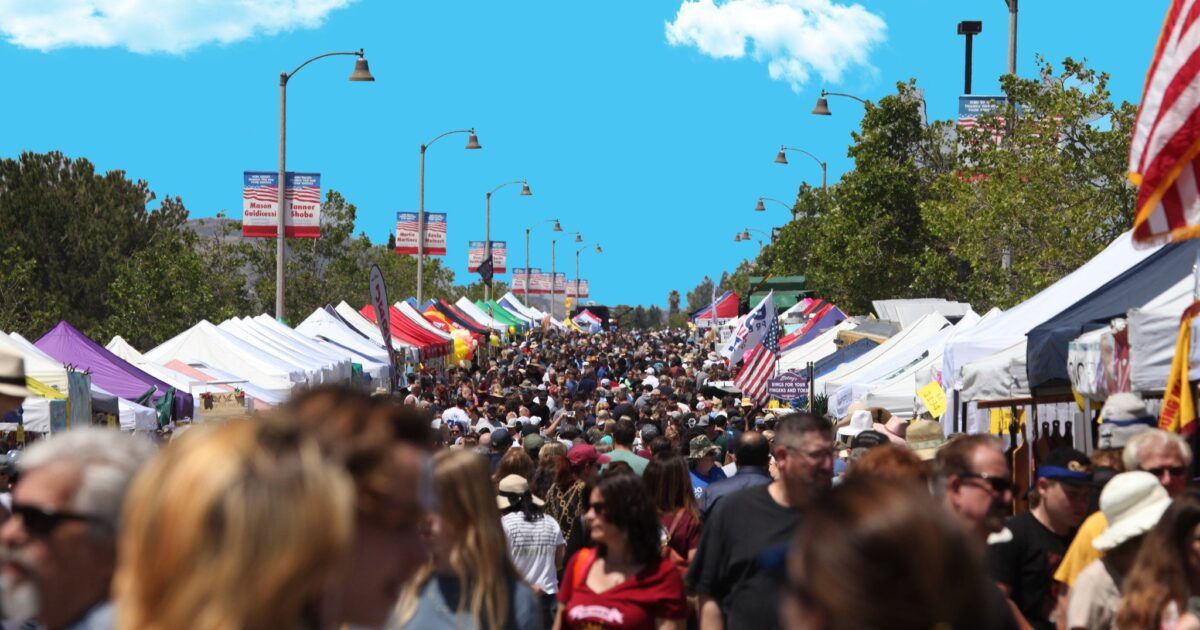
{"points": [[260, 204], [407, 230], [476, 254]]}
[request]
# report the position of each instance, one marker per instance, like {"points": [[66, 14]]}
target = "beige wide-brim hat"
{"points": [[12, 374], [1133, 502], [514, 485]]}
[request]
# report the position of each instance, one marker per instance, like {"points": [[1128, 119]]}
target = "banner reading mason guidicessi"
{"points": [[407, 230], [476, 254], [260, 204]]}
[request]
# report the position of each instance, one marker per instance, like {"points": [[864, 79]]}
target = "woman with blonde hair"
{"points": [[233, 526], [470, 582]]}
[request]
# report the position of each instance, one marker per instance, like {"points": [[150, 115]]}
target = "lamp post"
{"points": [[745, 236], [761, 208], [554, 276], [557, 228], [1012, 36], [472, 143], [781, 158], [487, 230], [361, 73], [577, 253], [822, 108]]}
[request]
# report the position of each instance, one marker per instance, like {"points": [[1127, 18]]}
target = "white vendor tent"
{"points": [[821, 346], [316, 371], [880, 356], [370, 330], [178, 380], [208, 343], [481, 316], [376, 369], [1153, 331], [907, 312], [1000, 376], [132, 416]]}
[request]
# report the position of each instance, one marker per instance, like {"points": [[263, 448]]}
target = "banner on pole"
{"points": [[476, 252], [518, 280], [379, 300], [407, 229], [260, 205], [560, 283], [539, 282], [582, 291]]}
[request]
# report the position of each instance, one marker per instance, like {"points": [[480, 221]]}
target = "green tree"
{"points": [[78, 226], [1047, 197], [22, 308], [159, 292], [702, 295]]}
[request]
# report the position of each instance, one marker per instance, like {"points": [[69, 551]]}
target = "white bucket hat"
{"points": [[860, 421], [12, 373], [1133, 502], [514, 486]]}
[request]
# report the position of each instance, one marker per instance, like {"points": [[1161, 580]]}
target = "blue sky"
{"points": [[635, 122]]}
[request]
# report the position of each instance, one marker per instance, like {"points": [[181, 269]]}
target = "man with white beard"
{"points": [[58, 551]]}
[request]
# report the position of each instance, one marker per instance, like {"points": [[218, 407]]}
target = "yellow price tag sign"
{"points": [[934, 398]]}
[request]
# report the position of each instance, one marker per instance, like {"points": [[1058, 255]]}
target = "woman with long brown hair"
{"points": [[514, 462], [670, 485], [623, 581], [471, 582], [1166, 573]]}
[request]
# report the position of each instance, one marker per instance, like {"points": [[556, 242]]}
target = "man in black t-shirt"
{"points": [[1023, 559], [735, 587]]}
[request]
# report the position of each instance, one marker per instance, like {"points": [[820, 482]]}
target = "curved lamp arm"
{"points": [[284, 78]]}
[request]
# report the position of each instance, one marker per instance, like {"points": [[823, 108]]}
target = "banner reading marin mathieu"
{"points": [[260, 203]]}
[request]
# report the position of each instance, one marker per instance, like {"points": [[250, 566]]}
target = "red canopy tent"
{"points": [[428, 346]]}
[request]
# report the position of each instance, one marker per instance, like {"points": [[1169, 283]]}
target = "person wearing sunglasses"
{"points": [[58, 551]]}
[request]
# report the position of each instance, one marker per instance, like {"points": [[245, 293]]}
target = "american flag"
{"points": [[760, 365], [1166, 135]]}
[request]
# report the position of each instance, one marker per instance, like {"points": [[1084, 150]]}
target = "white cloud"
{"points": [[153, 26], [796, 38]]}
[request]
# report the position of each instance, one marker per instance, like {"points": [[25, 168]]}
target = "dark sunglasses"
{"points": [[40, 522], [598, 508], [1176, 471], [999, 485]]}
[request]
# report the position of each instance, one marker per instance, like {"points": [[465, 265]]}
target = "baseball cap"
{"points": [[533, 444], [501, 439], [701, 446], [1067, 465], [868, 439], [585, 454]]}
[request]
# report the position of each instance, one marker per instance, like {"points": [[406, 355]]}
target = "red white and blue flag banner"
{"points": [[1166, 134], [560, 283], [750, 330], [260, 205], [476, 254], [540, 282], [761, 361], [582, 291], [407, 229]]}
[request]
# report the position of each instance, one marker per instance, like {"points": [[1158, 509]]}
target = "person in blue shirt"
{"points": [[702, 455]]}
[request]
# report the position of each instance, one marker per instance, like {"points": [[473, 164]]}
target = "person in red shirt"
{"points": [[624, 582]]}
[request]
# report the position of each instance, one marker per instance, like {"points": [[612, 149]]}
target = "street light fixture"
{"points": [[781, 158], [822, 108], [487, 230], [577, 253], [361, 73], [761, 208], [472, 143]]}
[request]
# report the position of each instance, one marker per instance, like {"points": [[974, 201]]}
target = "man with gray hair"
{"points": [[59, 549]]}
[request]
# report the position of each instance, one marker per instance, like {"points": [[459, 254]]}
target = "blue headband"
{"points": [[1149, 421], [1060, 472]]}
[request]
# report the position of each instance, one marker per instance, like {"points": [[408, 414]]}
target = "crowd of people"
{"points": [[588, 482]]}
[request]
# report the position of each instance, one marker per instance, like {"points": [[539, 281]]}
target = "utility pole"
{"points": [[1012, 36], [969, 29]]}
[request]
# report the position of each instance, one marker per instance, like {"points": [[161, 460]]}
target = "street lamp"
{"points": [[781, 158], [577, 253], [761, 208], [487, 230], [557, 228], [472, 143], [822, 108], [745, 236], [361, 73]]}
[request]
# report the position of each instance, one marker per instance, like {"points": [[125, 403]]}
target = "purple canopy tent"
{"points": [[70, 347]]}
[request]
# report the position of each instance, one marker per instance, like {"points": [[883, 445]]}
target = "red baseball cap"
{"points": [[586, 454]]}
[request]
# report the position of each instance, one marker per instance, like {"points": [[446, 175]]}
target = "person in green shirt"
{"points": [[623, 435]]}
